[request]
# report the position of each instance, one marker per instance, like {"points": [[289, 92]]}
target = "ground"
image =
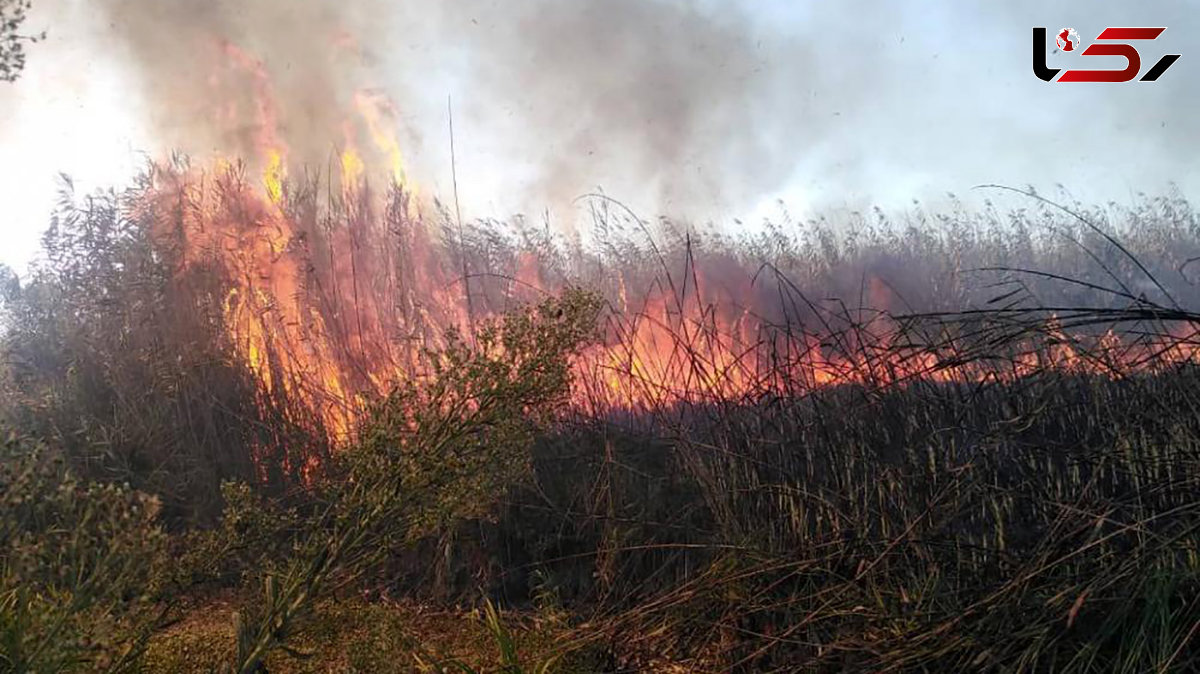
{"points": [[351, 635]]}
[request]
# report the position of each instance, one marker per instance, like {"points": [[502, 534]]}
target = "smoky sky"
{"points": [[690, 109], [669, 101], [207, 68]]}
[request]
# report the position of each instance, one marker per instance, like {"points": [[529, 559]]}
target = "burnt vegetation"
{"points": [[994, 468]]}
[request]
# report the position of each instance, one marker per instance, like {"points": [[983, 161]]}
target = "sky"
{"points": [[704, 111]]}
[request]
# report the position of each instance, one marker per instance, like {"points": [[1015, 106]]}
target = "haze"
{"points": [[707, 112]]}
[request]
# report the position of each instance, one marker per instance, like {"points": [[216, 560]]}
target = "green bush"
{"points": [[450, 444], [79, 564], [252, 531], [432, 453]]}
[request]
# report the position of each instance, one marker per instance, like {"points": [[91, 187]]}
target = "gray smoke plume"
{"points": [[649, 99], [210, 68], [646, 98], [693, 109]]}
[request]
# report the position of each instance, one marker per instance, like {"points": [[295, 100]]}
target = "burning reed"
{"points": [[991, 465]]}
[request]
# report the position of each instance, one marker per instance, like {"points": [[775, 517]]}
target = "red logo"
{"points": [[1067, 39], [1114, 44]]}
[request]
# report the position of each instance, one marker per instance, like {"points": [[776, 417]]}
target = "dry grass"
{"points": [[349, 635]]}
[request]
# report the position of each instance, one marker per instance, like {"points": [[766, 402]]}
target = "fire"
{"points": [[379, 113], [353, 168], [274, 175], [324, 314]]}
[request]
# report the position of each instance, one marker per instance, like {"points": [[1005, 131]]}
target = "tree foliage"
{"points": [[12, 41]]}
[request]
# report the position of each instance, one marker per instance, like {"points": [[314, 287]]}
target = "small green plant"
{"points": [[508, 657], [510, 660]]}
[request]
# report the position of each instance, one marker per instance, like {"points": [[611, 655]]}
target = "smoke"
{"points": [[223, 75], [668, 104], [664, 101], [693, 109]]}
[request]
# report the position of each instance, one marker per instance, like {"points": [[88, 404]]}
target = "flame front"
{"points": [[328, 305]]}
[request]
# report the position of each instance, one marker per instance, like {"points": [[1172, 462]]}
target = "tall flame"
{"points": [[322, 314]]}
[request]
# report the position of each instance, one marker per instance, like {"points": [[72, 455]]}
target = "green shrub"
{"points": [[78, 566], [252, 532], [432, 453]]}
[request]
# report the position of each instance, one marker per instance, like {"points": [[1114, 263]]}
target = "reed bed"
{"points": [[957, 441]]}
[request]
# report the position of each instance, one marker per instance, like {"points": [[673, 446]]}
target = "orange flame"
{"points": [[323, 316]]}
